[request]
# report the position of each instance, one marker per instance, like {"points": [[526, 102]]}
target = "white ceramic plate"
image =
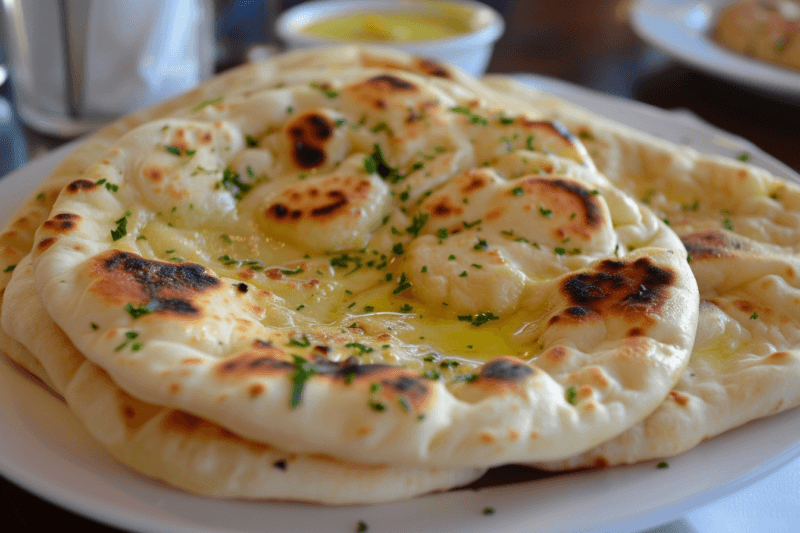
{"points": [[680, 28], [43, 448]]}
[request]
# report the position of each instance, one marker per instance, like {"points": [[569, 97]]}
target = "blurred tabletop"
{"points": [[589, 43]]}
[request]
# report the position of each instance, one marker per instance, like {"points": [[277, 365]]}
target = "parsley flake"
{"points": [[302, 372], [137, 311], [208, 102], [122, 227], [360, 348], [571, 395]]}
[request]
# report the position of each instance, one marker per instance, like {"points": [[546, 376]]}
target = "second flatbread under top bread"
{"points": [[741, 228]]}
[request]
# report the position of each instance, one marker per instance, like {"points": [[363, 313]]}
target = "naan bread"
{"points": [[270, 260], [765, 29], [191, 453], [155, 441], [741, 227]]}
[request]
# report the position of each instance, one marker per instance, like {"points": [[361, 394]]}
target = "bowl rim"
{"points": [[288, 24]]}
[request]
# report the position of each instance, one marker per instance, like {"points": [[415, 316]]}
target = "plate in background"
{"points": [[680, 28]]}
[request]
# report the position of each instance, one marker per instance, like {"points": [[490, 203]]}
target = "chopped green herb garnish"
{"points": [[205, 103], [10, 268], [122, 227], [663, 464], [545, 212], [402, 284], [231, 182], [571, 395], [744, 156], [376, 163], [303, 342], [302, 372], [469, 225], [325, 90], [727, 224], [694, 206], [472, 117], [381, 126], [431, 374], [360, 348], [517, 191], [529, 143], [754, 316], [139, 310], [174, 150], [251, 141], [482, 318]]}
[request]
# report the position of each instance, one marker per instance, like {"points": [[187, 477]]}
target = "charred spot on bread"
{"points": [[165, 288], [710, 244], [80, 185], [308, 134], [62, 222], [322, 202], [506, 369], [632, 290], [431, 68]]}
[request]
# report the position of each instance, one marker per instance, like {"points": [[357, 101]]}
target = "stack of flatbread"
{"points": [[352, 275]]}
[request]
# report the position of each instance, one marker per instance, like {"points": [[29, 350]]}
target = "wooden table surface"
{"points": [[588, 43]]}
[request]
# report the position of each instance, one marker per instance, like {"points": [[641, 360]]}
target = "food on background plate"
{"points": [[232, 259], [740, 227], [764, 29]]}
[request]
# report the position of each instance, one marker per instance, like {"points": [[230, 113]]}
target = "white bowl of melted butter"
{"points": [[461, 32]]}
